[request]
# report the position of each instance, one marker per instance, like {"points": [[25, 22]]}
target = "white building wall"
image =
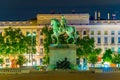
{"points": [[102, 28]]}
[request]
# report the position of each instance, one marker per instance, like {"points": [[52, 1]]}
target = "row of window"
{"points": [[41, 33], [8, 61], [27, 33], [105, 33], [106, 40], [99, 33], [113, 49]]}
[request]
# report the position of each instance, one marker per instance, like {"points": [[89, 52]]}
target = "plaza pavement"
{"points": [[61, 75]]}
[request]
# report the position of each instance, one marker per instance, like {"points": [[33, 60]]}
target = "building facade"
{"points": [[106, 33]]}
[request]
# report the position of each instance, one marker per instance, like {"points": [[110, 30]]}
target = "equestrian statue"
{"points": [[61, 27]]}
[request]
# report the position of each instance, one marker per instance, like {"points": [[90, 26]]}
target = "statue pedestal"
{"points": [[60, 52]]}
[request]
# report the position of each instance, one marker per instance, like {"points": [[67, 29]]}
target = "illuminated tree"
{"points": [[85, 46], [21, 60], [107, 56], [47, 41], [14, 41], [116, 59], [2, 45], [1, 61], [31, 45], [93, 57]]}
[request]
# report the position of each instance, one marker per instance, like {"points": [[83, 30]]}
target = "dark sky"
{"points": [[27, 9]]}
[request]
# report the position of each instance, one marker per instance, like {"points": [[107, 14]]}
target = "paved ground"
{"points": [[61, 76]]}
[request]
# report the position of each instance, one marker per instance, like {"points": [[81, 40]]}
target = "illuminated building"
{"points": [[106, 33]]}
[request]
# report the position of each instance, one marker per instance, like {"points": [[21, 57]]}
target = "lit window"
{"points": [[105, 40], [119, 50], [112, 32], [99, 40], [118, 39], [106, 33], [118, 32], [41, 51], [112, 49], [112, 40], [99, 33], [41, 60], [92, 32]]}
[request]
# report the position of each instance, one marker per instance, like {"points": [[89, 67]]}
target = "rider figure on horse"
{"points": [[63, 24]]}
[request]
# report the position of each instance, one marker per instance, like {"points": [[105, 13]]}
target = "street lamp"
{"points": [[32, 35]]}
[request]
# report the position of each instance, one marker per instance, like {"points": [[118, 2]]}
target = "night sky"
{"points": [[28, 9]]}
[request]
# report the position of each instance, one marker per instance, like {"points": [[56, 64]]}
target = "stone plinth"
{"points": [[60, 52]]}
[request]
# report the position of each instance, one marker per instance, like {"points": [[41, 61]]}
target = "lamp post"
{"points": [[32, 35]]}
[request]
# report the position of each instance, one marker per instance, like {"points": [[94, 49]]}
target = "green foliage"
{"points": [[116, 59], [46, 59], [93, 57], [2, 45], [14, 41], [86, 49], [21, 60], [47, 41], [31, 43], [85, 46], [107, 56], [1, 60]]}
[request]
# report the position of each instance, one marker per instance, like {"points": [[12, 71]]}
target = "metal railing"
{"points": [[13, 71]]}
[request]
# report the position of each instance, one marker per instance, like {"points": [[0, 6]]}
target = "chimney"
{"points": [[95, 15], [98, 15], [108, 16]]}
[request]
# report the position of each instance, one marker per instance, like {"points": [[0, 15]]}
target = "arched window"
{"points": [[84, 32]]}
